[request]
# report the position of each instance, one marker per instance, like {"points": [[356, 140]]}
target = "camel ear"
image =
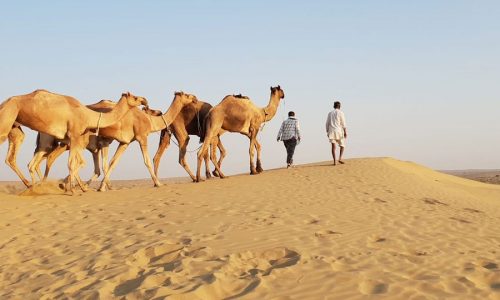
{"points": [[272, 89], [279, 88]]}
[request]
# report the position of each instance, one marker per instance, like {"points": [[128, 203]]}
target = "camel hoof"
{"points": [[253, 173], [208, 175], [259, 170], [158, 184], [102, 188], [215, 173]]}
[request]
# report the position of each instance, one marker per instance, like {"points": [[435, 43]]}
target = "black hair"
{"points": [[291, 114], [336, 104]]}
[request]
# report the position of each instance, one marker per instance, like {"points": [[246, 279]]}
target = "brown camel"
{"points": [[188, 122], [136, 125], [63, 117], [238, 114]]}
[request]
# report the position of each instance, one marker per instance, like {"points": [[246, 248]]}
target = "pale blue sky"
{"points": [[418, 80]]}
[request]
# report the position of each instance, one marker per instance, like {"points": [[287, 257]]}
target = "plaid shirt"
{"points": [[289, 129]]}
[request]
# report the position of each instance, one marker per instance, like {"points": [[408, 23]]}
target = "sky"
{"points": [[418, 81]]}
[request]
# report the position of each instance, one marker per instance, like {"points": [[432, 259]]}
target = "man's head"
{"points": [[336, 105], [291, 114]]}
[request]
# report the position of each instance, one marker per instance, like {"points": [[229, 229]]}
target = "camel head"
{"points": [[278, 91], [152, 112], [184, 98], [134, 100]]}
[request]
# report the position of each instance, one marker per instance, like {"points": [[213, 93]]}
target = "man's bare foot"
{"points": [[334, 163], [341, 162]]}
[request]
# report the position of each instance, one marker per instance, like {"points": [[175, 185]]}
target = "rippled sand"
{"points": [[369, 227]]}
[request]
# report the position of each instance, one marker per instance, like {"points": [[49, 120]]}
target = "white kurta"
{"points": [[335, 125]]}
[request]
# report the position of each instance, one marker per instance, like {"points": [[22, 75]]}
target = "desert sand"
{"points": [[371, 228]]}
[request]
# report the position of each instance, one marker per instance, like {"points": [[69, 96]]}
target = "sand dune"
{"points": [[371, 227]]}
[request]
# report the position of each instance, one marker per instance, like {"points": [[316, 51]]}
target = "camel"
{"points": [[238, 114], [188, 122], [63, 117], [48, 147], [136, 125]]}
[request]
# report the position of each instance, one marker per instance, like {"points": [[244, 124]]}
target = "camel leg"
{"points": [[97, 169], [222, 152], [16, 138], [121, 148], [80, 164], [38, 170], [105, 161], [208, 175], [213, 158], [183, 143], [211, 130], [147, 161], [51, 158], [73, 163], [162, 147], [35, 161], [201, 154], [253, 171], [258, 148]]}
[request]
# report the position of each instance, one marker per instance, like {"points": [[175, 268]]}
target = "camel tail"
{"points": [[203, 127], [202, 135], [37, 142]]}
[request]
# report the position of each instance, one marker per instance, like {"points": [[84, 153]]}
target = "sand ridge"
{"points": [[371, 227]]}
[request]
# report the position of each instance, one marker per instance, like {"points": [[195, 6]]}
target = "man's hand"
{"points": [[345, 134]]}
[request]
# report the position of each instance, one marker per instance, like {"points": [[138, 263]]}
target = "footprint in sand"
{"points": [[460, 220], [182, 270], [490, 266], [325, 233], [433, 202], [372, 287], [472, 210]]}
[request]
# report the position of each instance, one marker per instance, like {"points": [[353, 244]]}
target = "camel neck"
{"points": [[158, 122], [109, 118], [172, 112], [270, 110]]}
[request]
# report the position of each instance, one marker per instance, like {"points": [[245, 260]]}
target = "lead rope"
{"points": [[170, 132], [166, 125], [98, 123], [199, 131]]}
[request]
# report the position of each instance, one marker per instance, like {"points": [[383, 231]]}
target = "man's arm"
{"points": [[280, 132], [328, 123], [297, 129], [342, 120]]}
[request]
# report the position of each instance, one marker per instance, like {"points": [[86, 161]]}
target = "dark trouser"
{"points": [[290, 149]]}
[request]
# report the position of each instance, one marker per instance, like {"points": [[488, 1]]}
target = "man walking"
{"points": [[290, 134], [336, 130]]}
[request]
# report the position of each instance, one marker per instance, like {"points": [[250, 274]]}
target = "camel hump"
{"points": [[103, 104], [40, 91], [106, 102], [240, 96]]}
